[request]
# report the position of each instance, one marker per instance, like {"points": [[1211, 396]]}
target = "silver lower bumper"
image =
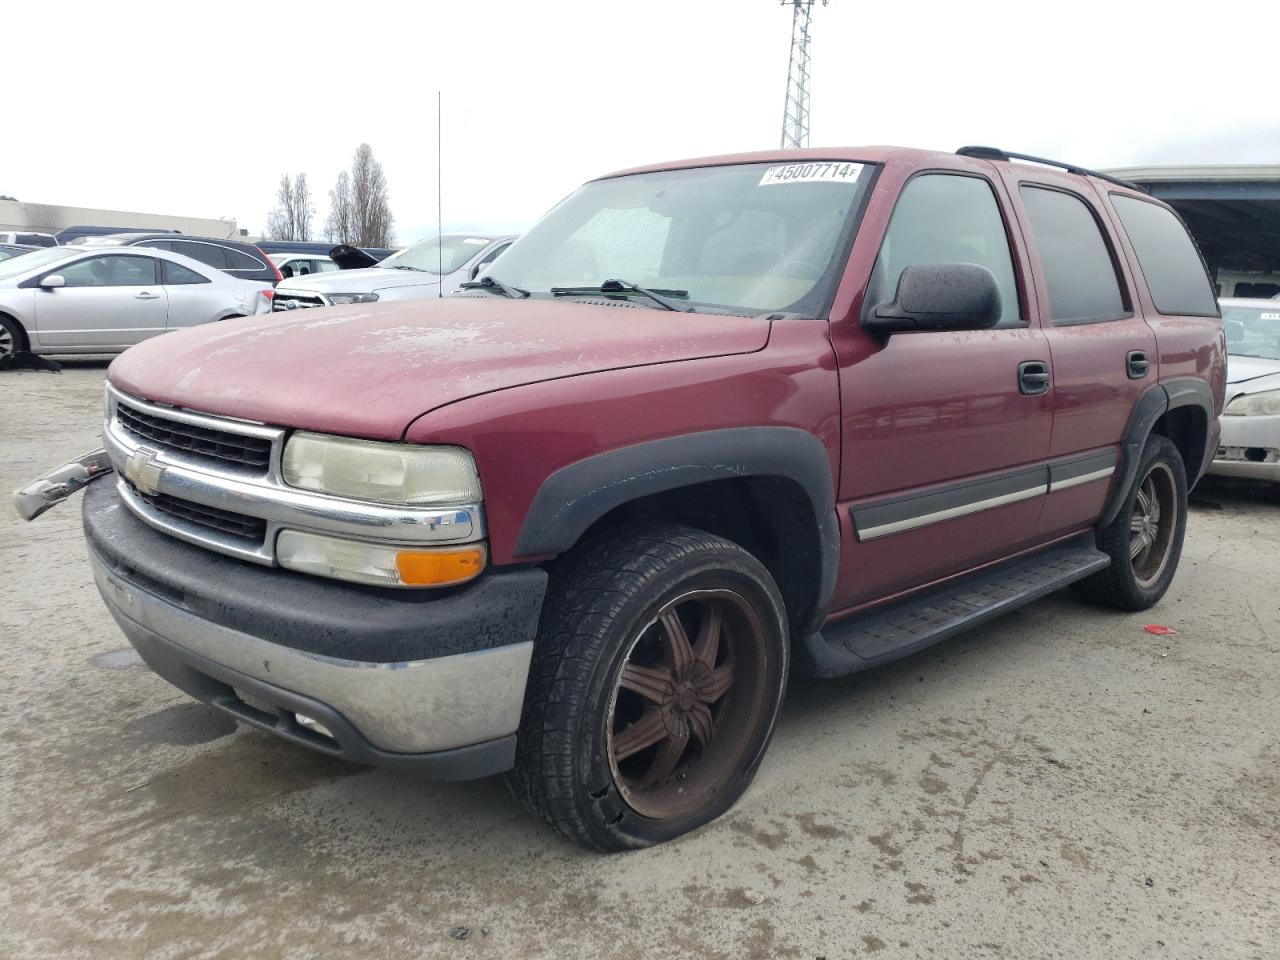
{"points": [[412, 707]]}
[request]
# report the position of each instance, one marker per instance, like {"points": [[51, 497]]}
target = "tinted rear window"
{"points": [[209, 253], [1169, 260], [1077, 264], [242, 261]]}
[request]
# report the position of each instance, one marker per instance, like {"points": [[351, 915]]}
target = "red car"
{"points": [[707, 422]]}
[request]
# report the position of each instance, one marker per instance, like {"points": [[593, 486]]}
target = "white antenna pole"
{"points": [[439, 197]]}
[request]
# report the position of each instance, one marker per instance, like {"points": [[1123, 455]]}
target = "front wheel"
{"points": [[1144, 541], [657, 678]]}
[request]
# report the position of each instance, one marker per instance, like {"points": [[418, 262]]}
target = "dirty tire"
{"points": [[12, 337], [1139, 575], [611, 600]]}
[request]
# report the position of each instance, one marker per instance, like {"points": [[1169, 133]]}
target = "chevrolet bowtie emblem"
{"points": [[143, 472]]}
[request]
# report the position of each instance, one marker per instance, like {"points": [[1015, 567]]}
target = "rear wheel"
{"points": [[12, 337], [657, 679], [1144, 541]]}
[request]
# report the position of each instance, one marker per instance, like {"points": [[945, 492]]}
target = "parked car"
{"points": [[1250, 446], [28, 239], [413, 273], [8, 250], [293, 265], [705, 423], [240, 259], [106, 299], [81, 232]]}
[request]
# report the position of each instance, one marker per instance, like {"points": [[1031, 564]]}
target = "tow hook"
{"points": [[56, 485]]}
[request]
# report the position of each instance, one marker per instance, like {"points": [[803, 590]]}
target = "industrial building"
{"points": [[50, 218]]}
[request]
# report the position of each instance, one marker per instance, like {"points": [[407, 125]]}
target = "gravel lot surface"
{"points": [[1058, 784]]}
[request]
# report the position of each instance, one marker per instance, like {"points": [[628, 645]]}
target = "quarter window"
{"points": [[1078, 269], [110, 271], [1169, 260], [947, 218], [242, 261]]}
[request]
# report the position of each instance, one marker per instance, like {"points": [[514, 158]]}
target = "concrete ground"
{"points": [[1059, 784]]}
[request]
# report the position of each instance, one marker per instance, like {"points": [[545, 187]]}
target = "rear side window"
{"points": [[1077, 264], [1169, 260], [209, 253], [242, 261], [176, 273]]}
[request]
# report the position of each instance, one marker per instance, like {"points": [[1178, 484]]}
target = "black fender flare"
{"points": [[577, 495], [1155, 402]]}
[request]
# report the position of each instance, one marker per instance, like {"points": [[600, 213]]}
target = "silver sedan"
{"points": [[1250, 446], [100, 300]]}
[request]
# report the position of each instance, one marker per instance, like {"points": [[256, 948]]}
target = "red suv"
{"points": [[705, 423]]}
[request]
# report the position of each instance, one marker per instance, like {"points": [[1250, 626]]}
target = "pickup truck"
{"points": [[706, 423]]}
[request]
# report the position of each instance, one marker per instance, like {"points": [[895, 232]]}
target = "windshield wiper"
{"points": [[497, 286], [622, 286], [401, 266]]}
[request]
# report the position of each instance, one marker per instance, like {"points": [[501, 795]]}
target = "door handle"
{"points": [[1137, 364], [1033, 378], [147, 295]]}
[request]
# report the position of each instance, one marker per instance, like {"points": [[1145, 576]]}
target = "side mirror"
{"points": [[939, 296], [53, 281]]}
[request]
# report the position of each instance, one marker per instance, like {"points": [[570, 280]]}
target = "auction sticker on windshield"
{"points": [[822, 171]]}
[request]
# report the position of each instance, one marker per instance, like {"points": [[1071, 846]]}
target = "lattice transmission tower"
{"points": [[795, 118]]}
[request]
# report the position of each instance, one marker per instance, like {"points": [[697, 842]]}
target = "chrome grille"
{"points": [[252, 530], [220, 446], [283, 302]]}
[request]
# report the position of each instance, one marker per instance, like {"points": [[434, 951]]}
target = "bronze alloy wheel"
{"points": [[1152, 524], [687, 703]]}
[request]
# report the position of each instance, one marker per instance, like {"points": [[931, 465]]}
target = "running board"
{"points": [[905, 626]]}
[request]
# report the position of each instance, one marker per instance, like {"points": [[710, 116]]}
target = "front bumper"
{"points": [[1249, 449], [433, 683]]}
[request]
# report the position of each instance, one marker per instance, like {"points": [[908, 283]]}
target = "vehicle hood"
{"points": [[369, 370], [359, 281], [1243, 369]]}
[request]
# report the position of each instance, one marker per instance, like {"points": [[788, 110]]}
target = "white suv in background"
{"points": [[429, 268]]}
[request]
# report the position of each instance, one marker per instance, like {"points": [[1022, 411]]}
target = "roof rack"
{"points": [[995, 153]]}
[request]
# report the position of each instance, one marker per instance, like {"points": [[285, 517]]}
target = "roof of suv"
{"points": [[874, 154]]}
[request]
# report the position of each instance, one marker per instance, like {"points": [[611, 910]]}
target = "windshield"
{"points": [[748, 238], [1252, 331], [428, 254], [33, 261]]}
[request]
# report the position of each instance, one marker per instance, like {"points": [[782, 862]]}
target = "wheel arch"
{"points": [[769, 489], [1180, 409], [24, 335]]}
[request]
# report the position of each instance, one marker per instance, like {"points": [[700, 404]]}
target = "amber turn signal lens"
{"points": [[440, 568]]}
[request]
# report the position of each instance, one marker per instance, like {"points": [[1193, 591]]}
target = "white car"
{"points": [[106, 299], [425, 269], [1250, 445], [293, 265]]}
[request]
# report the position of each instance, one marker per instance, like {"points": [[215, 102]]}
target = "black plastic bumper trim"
{"points": [[309, 613]]}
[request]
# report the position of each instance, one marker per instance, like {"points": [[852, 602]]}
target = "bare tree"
{"points": [[291, 218], [371, 206], [280, 221], [338, 227], [303, 210]]}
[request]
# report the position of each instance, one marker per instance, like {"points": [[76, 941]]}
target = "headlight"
{"points": [[1255, 405], [378, 564], [336, 298], [397, 473]]}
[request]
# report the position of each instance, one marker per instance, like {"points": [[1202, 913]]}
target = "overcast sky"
{"points": [[198, 115]]}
